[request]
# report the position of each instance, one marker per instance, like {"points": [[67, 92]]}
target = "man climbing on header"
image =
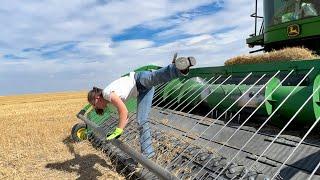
{"points": [[139, 85]]}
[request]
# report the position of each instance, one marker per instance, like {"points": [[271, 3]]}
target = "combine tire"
{"points": [[79, 132]]}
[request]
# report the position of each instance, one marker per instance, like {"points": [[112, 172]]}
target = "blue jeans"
{"points": [[145, 82]]}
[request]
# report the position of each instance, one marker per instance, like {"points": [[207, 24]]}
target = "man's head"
{"points": [[96, 99]]}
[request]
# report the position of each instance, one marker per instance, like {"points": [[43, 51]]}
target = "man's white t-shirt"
{"points": [[125, 87]]}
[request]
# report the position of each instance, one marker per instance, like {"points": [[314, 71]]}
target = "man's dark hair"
{"points": [[91, 98]]}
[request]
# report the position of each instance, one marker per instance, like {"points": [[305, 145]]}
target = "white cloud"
{"points": [[96, 46], [95, 58], [133, 44]]}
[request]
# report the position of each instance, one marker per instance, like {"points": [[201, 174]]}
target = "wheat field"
{"points": [[35, 142]]}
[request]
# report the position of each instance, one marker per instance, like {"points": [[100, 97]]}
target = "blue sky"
{"points": [[54, 46]]}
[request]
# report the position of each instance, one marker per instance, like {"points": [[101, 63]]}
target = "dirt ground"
{"points": [[35, 143]]}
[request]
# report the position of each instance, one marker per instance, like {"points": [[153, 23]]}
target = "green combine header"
{"points": [[241, 121]]}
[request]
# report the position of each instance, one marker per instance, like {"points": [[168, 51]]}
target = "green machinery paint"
{"points": [[309, 114], [177, 88]]}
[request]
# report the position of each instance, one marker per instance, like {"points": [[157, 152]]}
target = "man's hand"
{"points": [[116, 133]]}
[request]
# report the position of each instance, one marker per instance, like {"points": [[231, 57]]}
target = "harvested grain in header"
{"points": [[286, 54]]}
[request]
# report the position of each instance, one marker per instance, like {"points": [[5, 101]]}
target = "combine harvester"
{"points": [[254, 118]]}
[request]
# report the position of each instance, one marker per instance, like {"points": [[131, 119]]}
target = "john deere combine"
{"points": [[241, 121]]}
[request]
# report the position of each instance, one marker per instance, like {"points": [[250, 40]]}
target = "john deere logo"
{"points": [[293, 30]]}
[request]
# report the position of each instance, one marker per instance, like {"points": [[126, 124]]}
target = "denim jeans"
{"points": [[145, 82]]}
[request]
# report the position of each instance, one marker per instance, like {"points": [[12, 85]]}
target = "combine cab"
{"points": [[287, 23], [242, 121]]}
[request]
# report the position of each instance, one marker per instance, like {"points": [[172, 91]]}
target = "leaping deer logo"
{"points": [[293, 30]]}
